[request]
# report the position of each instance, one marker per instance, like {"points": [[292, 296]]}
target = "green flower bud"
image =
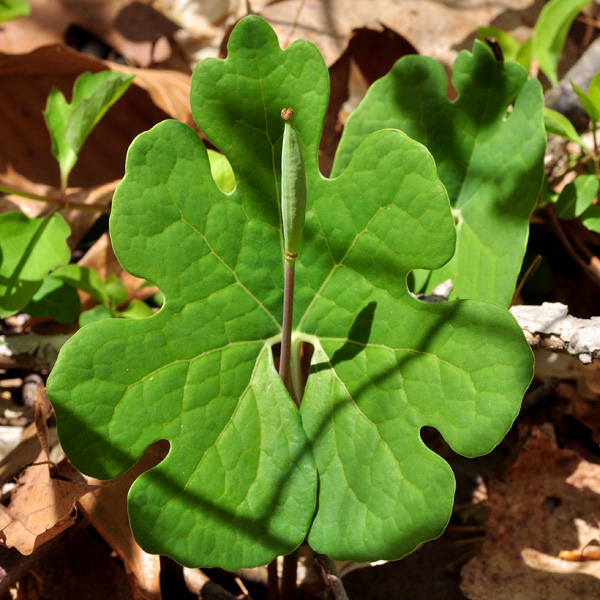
{"points": [[293, 187]]}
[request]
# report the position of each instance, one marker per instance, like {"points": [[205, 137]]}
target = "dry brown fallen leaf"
{"points": [[433, 27], [41, 507], [203, 23], [370, 54], [23, 454], [106, 509], [133, 29], [547, 502], [41, 411], [578, 383]]}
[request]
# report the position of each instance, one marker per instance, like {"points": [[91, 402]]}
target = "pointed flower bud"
{"points": [[293, 187]]}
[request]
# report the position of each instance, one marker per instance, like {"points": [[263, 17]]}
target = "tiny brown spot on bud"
{"points": [[286, 114], [495, 47]]}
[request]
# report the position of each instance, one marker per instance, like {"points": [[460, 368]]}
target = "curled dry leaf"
{"points": [[169, 90], [41, 507], [203, 23], [23, 454], [41, 411], [106, 508], [434, 28], [129, 27], [547, 502]]}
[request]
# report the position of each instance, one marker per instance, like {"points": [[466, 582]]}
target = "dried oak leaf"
{"points": [[547, 502], [40, 509], [133, 29], [106, 509], [433, 27]]}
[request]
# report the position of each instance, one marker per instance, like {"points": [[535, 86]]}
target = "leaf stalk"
{"points": [[335, 582], [62, 202], [286, 325]]}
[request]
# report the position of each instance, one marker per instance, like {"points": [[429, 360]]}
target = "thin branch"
{"points": [[537, 261], [335, 583], [564, 240], [272, 581], [288, 579], [200, 584], [550, 326], [60, 203]]}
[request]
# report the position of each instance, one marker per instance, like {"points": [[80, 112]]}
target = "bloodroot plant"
{"points": [[258, 465]]}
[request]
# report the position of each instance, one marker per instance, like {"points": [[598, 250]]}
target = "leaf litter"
{"points": [[547, 502], [582, 528]]}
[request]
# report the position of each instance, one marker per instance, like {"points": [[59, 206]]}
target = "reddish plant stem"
{"points": [[272, 581], [562, 236], [286, 326], [335, 583], [288, 578], [59, 203], [596, 152]]}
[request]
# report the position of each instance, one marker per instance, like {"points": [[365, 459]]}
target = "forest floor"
{"points": [[516, 509]]}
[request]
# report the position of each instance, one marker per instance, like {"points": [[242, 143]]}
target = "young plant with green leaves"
{"points": [[579, 198], [31, 248], [249, 474], [548, 39], [70, 123]]}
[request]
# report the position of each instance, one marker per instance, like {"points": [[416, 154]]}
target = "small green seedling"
{"points": [[57, 297], [114, 294], [70, 124], [550, 33], [30, 249], [548, 39], [12, 9], [249, 474], [557, 124], [110, 294], [579, 198]]}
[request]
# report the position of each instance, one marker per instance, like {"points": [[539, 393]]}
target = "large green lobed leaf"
{"points": [[248, 475], [489, 158]]}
